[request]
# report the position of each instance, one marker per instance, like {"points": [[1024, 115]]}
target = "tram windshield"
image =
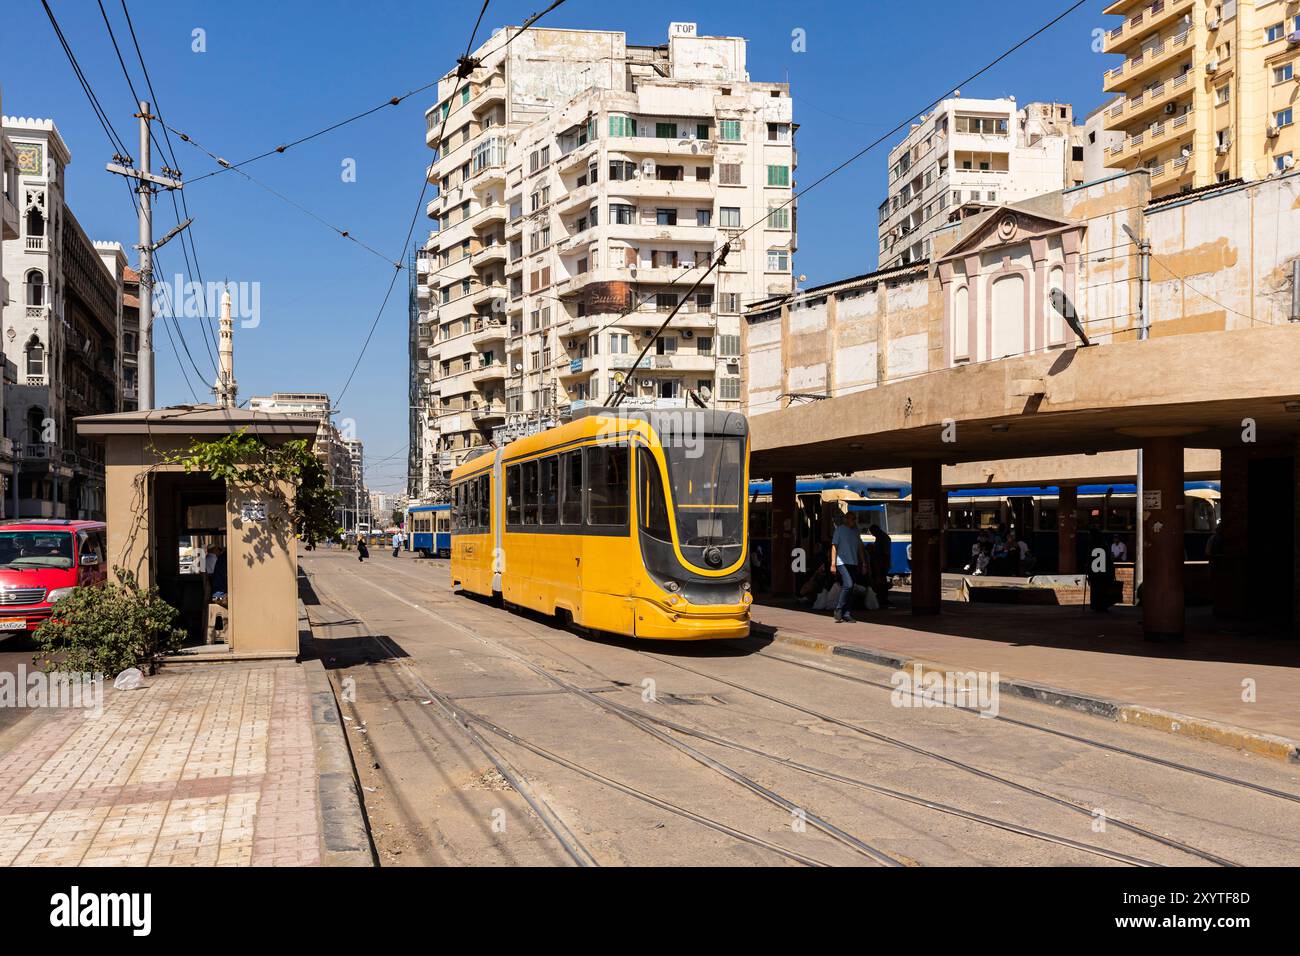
{"points": [[707, 480]]}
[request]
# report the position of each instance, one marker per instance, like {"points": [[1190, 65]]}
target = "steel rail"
{"points": [[1077, 738], [552, 820], [952, 761], [853, 842]]}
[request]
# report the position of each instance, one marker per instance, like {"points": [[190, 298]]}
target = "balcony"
{"points": [[488, 413], [488, 330], [1121, 114], [647, 187], [1143, 21], [682, 362], [576, 157], [654, 146], [488, 372], [578, 366], [36, 244], [1146, 61], [496, 252], [486, 294]]}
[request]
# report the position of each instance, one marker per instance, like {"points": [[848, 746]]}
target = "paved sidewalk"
{"points": [[1102, 658], [207, 765]]}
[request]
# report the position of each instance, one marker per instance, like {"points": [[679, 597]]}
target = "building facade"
{"points": [[331, 447], [9, 230], [969, 155], [584, 185], [62, 335], [1207, 90]]}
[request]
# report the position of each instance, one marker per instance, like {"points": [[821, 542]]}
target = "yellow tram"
{"points": [[627, 521]]}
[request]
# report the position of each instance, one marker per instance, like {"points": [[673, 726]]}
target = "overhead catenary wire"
{"points": [[114, 139], [465, 67], [187, 235]]}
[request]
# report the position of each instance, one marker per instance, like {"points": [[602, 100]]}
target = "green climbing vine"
{"points": [[248, 464]]}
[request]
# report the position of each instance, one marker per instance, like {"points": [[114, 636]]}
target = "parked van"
{"points": [[43, 560]]}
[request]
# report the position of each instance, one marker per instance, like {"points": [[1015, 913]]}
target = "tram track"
{"points": [[837, 834], [641, 719], [1012, 721], [1065, 735], [1028, 790], [467, 721]]}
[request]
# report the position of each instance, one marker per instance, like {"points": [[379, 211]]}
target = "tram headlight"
{"points": [[713, 557], [673, 586]]}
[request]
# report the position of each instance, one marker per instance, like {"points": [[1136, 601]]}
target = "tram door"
{"points": [[1020, 516]]}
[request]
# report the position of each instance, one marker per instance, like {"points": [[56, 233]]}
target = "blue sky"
{"points": [[273, 71]]}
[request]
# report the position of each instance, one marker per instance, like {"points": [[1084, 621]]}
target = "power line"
{"points": [[464, 67], [187, 235], [126, 73], [794, 196]]}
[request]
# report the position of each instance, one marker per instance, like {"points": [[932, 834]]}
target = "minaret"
{"points": [[226, 388]]}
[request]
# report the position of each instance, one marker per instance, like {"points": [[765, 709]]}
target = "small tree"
{"points": [[246, 463], [108, 628]]}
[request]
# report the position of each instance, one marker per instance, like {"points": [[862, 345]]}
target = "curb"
{"points": [[345, 837], [1198, 728]]}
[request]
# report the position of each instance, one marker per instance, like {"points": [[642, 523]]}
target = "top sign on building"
{"points": [[682, 30]]}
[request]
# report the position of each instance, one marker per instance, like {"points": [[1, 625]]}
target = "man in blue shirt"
{"points": [[847, 556]]}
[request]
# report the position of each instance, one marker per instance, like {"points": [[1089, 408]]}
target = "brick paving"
{"points": [[210, 766]]}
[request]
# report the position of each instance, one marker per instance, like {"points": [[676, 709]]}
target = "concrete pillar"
{"points": [[1067, 517], [1163, 521], [1295, 541], [783, 537], [1228, 570], [929, 509]]}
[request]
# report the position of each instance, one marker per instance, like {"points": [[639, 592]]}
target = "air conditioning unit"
{"points": [[1293, 38], [1274, 131], [1222, 149], [1171, 109], [1212, 67], [688, 334], [648, 168], [1214, 23], [1288, 162]]}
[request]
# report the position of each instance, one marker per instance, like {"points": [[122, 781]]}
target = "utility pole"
{"points": [[147, 247], [1144, 331]]}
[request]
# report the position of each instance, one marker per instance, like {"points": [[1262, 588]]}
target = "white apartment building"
{"points": [[62, 333], [969, 155], [332, 450], [584, 186]]}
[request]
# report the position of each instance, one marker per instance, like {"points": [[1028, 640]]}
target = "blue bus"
{"points": [[881, 501], [428, 530]]}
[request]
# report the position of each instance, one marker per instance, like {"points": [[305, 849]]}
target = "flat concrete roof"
{"points": [[1103, 398], [197, 420]]}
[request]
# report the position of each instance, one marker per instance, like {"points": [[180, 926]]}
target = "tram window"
{"points": [[607, 485], [571, 500], [550, 490], [651, 501], [1120, 516], [530, 491], [898, 517], [458, 506], [484, 502], [514, 495], [471, 504]]}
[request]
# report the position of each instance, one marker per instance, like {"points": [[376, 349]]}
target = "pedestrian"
{"points": [[398, 538], [362, 551], [847, 557], [1101, 574], [882, 547]]}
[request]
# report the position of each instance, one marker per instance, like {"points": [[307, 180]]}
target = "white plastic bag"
{"points": [[129, 679]]}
